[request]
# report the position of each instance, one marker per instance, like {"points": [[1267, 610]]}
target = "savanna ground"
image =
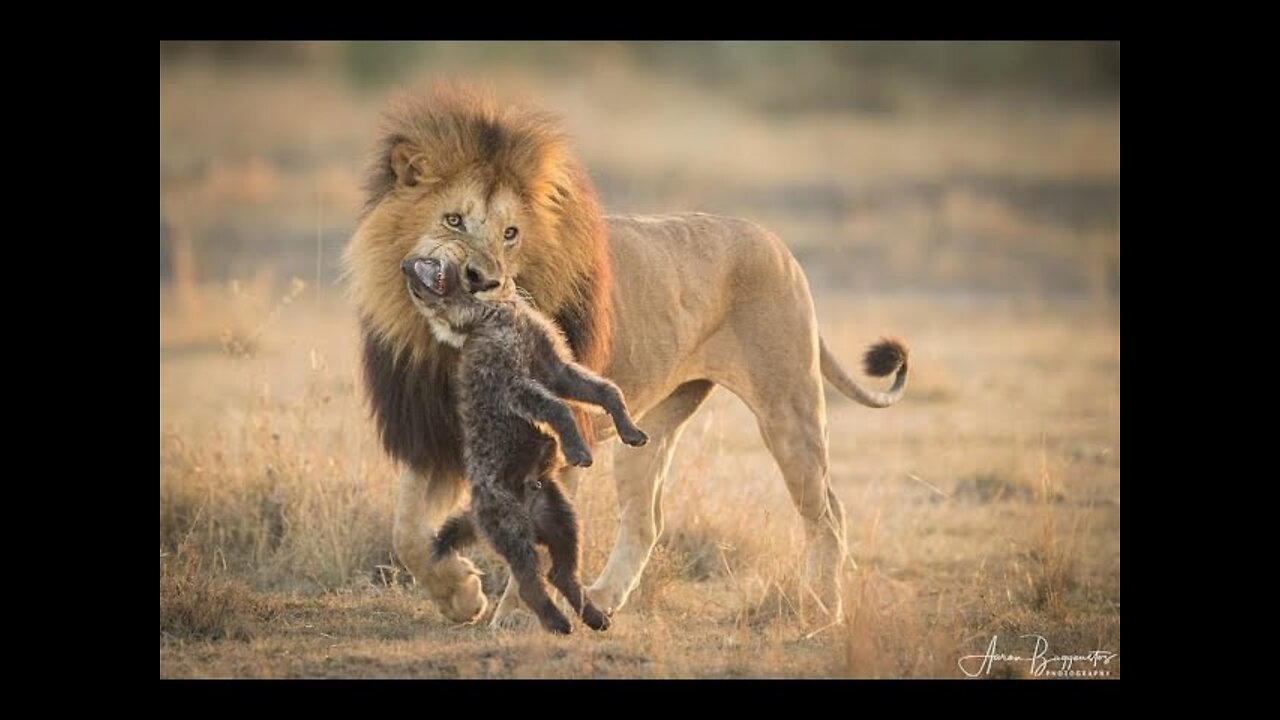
{"points": [[985, 231]]}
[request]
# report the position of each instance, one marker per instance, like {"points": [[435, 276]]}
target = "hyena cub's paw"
{"points": [[595, 619], [634, 437], [578, 456], [554, 621]]}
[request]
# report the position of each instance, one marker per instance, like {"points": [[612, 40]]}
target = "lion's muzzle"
{"points": [[477, 281]]}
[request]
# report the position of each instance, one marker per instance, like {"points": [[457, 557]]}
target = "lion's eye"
{"points": [[510, 234], [453, 220]]}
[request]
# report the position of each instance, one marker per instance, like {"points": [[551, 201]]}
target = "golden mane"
{"points": [[455, 132]]}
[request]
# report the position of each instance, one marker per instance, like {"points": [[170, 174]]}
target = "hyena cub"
{"points": [[514, 368]]}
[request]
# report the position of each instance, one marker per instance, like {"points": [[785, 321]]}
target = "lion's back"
{"points": [[715, 248]]}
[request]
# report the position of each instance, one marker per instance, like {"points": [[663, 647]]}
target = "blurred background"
{"points": [[963, 195], [906, 166]]}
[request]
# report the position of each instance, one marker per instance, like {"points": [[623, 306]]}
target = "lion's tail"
{"points": [[456, 533], [883, 358]]}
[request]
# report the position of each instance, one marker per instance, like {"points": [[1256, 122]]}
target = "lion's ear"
{"points": [[407, 163]]}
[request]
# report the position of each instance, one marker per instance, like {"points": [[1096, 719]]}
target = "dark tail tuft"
{"points": [[456, 533], [885, 357]]}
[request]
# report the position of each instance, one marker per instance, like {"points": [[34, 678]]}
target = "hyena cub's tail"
{"points": [[456, 533]]}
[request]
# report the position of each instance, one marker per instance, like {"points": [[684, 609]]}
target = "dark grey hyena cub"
{"points": [[514, 368]]}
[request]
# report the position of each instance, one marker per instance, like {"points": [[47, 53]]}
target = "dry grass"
{"points": [[196, 605], [275, 515]]}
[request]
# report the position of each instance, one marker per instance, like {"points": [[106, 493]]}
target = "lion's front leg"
{"points": [[639, 474], [510, 611], [453, 583]]}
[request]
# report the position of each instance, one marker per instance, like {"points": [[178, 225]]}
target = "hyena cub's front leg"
{"points": [[576, 382], [533, 402]]}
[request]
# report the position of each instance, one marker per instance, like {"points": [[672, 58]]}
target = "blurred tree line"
{"points": [[776, 75], [201, 238]]}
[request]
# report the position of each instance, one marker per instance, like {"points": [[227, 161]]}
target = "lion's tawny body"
{"points": [[668, 307]]}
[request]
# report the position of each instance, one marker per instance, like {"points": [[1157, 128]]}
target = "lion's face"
{"points": [[496, 193], [480, 229]]}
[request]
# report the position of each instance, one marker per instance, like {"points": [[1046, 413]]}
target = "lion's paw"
{"points": [[595, 619], [466, 603], [606, 599], [514, 619]]}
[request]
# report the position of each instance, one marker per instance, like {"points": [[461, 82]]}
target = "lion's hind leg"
{"points": [[769, 354], [792, 421]]}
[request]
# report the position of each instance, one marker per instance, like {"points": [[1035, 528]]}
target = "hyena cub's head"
{"points": [[452, 311]]}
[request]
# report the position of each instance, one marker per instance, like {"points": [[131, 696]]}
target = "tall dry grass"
{"points": [[285, 493]]}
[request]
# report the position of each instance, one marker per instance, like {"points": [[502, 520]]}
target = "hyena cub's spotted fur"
{"points": [[514, 368]]}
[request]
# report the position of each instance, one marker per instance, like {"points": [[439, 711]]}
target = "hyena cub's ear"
{"points": [[409, 164]]}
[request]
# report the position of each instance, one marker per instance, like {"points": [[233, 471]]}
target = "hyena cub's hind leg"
{"points": [[557, 526], [506, 523]]}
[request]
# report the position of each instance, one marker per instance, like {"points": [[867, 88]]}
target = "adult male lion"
{"points": [[668, 307]]}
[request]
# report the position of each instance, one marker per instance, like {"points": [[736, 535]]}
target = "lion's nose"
{"points": [[476, 280]]}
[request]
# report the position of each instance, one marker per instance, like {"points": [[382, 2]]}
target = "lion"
{"points": [[669, 307]]}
